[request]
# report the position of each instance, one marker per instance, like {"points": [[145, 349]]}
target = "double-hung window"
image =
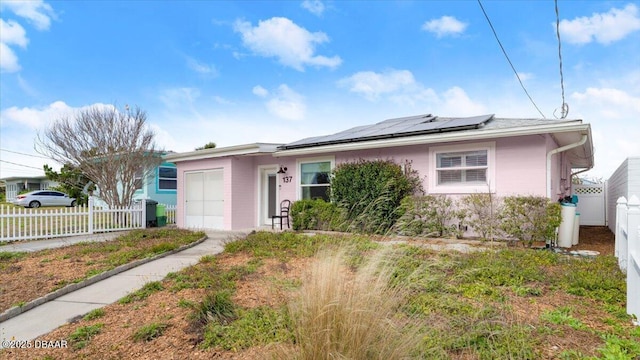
{"points": [[315, 179], [167, 178], [462, 168], [138, 180]]}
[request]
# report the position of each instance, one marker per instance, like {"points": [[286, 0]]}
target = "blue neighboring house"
{"points": [[161, 185]]}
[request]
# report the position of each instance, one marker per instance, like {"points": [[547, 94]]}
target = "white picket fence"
{"points": [[627, 250], [30, 224]]}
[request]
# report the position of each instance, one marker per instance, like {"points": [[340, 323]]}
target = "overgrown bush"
{"points": [[371, 191], [317, 215], [530, 218], [483, 210], [430, 215]]}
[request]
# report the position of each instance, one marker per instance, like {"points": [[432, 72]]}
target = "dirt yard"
{"points": [[598, 238], [120, 321]]}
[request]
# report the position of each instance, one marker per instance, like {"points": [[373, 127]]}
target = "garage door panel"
{"points": [[214, 186], [204, 200], [214, 208]]}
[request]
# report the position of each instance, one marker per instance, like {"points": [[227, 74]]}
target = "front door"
{"points": [[268, 194]]}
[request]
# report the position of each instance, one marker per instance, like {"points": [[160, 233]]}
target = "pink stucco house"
{"points": [[239, 187]]}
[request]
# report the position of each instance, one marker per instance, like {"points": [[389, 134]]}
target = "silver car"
{"points": [[35, 199]]}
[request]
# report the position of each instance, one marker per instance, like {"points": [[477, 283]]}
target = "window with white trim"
{"points": [[137, 180], [315, 180], [466, 167], [167, 178], [463, 168]]}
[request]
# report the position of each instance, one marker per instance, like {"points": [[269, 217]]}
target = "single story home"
{"points": [[160, 185], [17, 184], [239, 187]]}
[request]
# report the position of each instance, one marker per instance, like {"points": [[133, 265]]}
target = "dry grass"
{"points": [[341, 314]]}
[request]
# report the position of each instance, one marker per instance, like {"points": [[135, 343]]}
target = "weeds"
{"points": [[9, 255], [562, 316], [215, 307], [81, 336], [143, 293], [150, 331], [252, 327], [94, 314]]}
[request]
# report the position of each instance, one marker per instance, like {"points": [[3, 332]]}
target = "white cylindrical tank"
{"points": [[565, 231], [576, 229]]}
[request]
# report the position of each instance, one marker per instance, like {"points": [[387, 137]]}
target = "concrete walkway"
{"points": [[50, 315]]}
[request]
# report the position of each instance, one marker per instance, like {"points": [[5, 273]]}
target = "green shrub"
{"points": [[530, 218], [371, 191], [430, 215], [317, 215], [483, 211]]}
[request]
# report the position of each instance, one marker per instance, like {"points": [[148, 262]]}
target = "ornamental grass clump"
{"points": [[342, 314]]}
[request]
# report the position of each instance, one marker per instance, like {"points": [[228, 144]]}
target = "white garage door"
{"points": [[204, 200]]}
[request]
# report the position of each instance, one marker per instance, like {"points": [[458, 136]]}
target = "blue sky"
{"points": [[238, 72]]}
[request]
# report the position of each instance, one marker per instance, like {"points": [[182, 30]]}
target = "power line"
{"points": [[20, 153], [564, 111], [27, 166], [509, 60]]}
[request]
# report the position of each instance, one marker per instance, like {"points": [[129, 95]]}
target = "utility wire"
{"points": [[564, 110], [12, 163], [509, 60], [20, 153]]}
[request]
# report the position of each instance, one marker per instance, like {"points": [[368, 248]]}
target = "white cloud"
{"points": [[446, 25], [222, 101], [372, 85], [604, 28], [260, 91], [287, 104], [613, 114], [524, 76], [456, 102], [12, 33], [616, 103], [36, 118], [201, 68], [291, 44], [37, 12], [401, 88], [315, 7], [8, 59], [183, 98]]}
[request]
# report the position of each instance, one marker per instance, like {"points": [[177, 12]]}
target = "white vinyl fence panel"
{"points": [[29, 224], [591, 204], [627, 249]]}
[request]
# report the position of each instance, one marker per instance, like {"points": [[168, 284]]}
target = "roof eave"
{"points": [[237, 150]]}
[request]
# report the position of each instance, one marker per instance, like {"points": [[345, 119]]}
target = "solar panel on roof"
{"points": [[465, 122], [412, 125]]}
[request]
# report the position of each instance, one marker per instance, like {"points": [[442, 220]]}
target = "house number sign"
{"points": [[287, 179]]}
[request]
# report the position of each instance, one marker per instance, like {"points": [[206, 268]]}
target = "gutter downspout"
{"points": [[558, 150]]}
